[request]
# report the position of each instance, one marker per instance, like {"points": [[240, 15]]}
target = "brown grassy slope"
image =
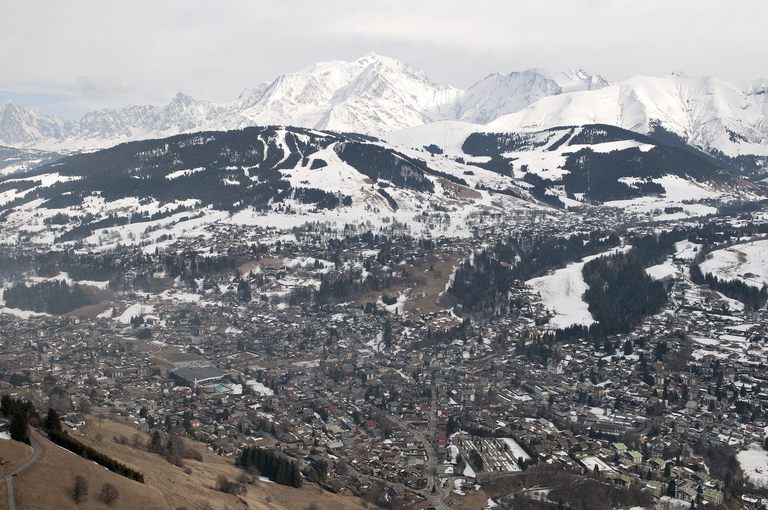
{"points": [[14, 453], [3, 497], [197, 488], [49, 482]]}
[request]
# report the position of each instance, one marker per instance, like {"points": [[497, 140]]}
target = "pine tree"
{"points": [[52, 421], [387, 335], [156, 443], [19, 429], [5, 405]]}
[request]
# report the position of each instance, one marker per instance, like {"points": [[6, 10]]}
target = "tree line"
{"points": [[481, 284], [753, 297], [267, 463], [54, 297], [52, 426]]}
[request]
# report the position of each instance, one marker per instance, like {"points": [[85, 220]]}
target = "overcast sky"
{"points": [[71, 56]]}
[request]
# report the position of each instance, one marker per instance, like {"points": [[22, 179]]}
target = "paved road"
{"points": [[9, 478], [428, 441]]}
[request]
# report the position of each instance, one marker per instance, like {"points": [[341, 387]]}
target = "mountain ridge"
{"points": [[373, 94], [380, 95], [148, 191]]}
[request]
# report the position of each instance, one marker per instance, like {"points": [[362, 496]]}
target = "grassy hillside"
{"points": [[49, 482]]}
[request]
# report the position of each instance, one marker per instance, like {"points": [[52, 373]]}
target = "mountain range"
{"points": [[373, 94], [151, 191], [384, 97]]}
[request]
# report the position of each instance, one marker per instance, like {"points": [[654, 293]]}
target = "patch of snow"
{"points": [[562, 291], [183, 173], [661, 271], [686, 250], [134, 310], [747, 262], [515, 449], [754, 463]]}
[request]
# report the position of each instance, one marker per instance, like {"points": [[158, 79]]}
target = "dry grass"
{"points": [[3, 496], [424, 297], [14, 454], [49, 482], [470, 501], [197, 487], [91, 311], [463, 192], [426, 288]]}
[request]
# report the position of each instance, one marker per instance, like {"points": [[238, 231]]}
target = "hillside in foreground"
{"points": [[166, 485]]}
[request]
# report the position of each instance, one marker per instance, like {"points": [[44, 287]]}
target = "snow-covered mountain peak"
{"points": [[376, 94], [10, 106], [23, 126], [183, 99], [706, 112], [499, 94]]}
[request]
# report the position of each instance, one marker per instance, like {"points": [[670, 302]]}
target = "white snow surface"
{"points": [[704, 111], [372, 94], [562, 290], [754, 463], [134, 310], [515, 449], [747, 262], [686, 250], [661, 271]]}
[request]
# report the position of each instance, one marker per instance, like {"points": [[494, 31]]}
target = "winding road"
{"points": [[38, 450]]}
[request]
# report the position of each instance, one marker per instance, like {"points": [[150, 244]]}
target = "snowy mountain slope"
{"points": [[373, 94], [708, 113], [25, 127], [380, 95], [747, 262], [16, 161], [141, 191], [576, 166], [562, 292], [498, 94]]}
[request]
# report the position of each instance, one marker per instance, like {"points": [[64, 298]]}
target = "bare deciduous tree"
{"points": [[80, 490], [108, 494]]}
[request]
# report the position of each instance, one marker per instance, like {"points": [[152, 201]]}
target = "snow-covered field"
{"points": [[686, 250], [664, 270], [562, 291], [679, 193], [754, 463], [747, 262], [134, 311]]}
